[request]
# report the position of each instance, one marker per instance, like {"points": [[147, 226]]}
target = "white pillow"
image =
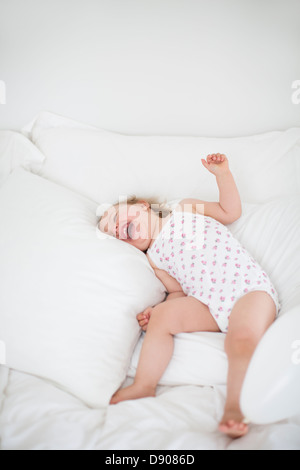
{"points": [[271, 233], [17, 151], [198, 359], [104, 165], [68, 301]]}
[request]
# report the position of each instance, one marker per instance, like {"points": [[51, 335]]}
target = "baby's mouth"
{"points": [[127, 231], [131, 230]]}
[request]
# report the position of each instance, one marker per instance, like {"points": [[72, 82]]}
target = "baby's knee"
{"points": [[241, 342], [160, 316]]}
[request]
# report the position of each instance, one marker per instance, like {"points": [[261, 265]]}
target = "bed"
{"points": [[69, 296]]}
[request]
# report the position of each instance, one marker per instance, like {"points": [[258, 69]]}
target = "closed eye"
{"points": [[116, 215]]}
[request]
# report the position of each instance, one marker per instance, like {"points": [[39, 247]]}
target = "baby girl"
{"points": [[213, 284]]}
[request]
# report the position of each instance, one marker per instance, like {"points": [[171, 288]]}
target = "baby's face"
{"points": [[130, 223]]}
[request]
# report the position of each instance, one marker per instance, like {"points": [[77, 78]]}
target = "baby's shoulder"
{"points": [[189, 205]]}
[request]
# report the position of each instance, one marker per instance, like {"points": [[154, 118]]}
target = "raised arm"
{"points": [[229, 198], [229, 207]]}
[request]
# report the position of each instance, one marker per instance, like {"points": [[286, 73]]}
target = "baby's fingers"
{"points": [[216, 158], [143, 319], [144, 323], [211, 158], [222, 157]]}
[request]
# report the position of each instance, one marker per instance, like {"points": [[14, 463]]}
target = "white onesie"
{"points": [[209, 263]]}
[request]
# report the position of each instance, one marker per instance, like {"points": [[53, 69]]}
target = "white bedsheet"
{"points": [[37, 415]]}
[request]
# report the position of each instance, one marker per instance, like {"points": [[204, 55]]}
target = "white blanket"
{"points": [[37, 415]]}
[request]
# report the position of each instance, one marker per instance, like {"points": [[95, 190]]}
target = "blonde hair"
{"points": [[160, 208]]}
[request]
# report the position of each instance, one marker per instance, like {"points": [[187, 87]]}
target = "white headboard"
{"points": [[175, 67]]}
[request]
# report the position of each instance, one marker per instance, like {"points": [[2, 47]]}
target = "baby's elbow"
{"points": [[237, 214], [233, 216], [240, 212]]}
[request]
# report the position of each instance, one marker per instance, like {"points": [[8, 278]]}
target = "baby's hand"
{"points": [[144, 317], [216, 163]]}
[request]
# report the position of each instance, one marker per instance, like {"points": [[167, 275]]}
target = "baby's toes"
{"points": [[233, 429]]}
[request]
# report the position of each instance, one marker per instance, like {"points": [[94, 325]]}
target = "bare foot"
{"points": [[132, 392], [233, 424]]}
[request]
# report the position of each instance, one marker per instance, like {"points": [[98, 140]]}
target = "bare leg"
{"points": [[181, 315], [250, 318]]}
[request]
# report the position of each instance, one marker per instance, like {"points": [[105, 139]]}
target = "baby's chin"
{"points": [[140, 243]]}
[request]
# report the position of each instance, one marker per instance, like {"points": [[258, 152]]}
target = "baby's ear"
{"points": [[145, 204]]}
